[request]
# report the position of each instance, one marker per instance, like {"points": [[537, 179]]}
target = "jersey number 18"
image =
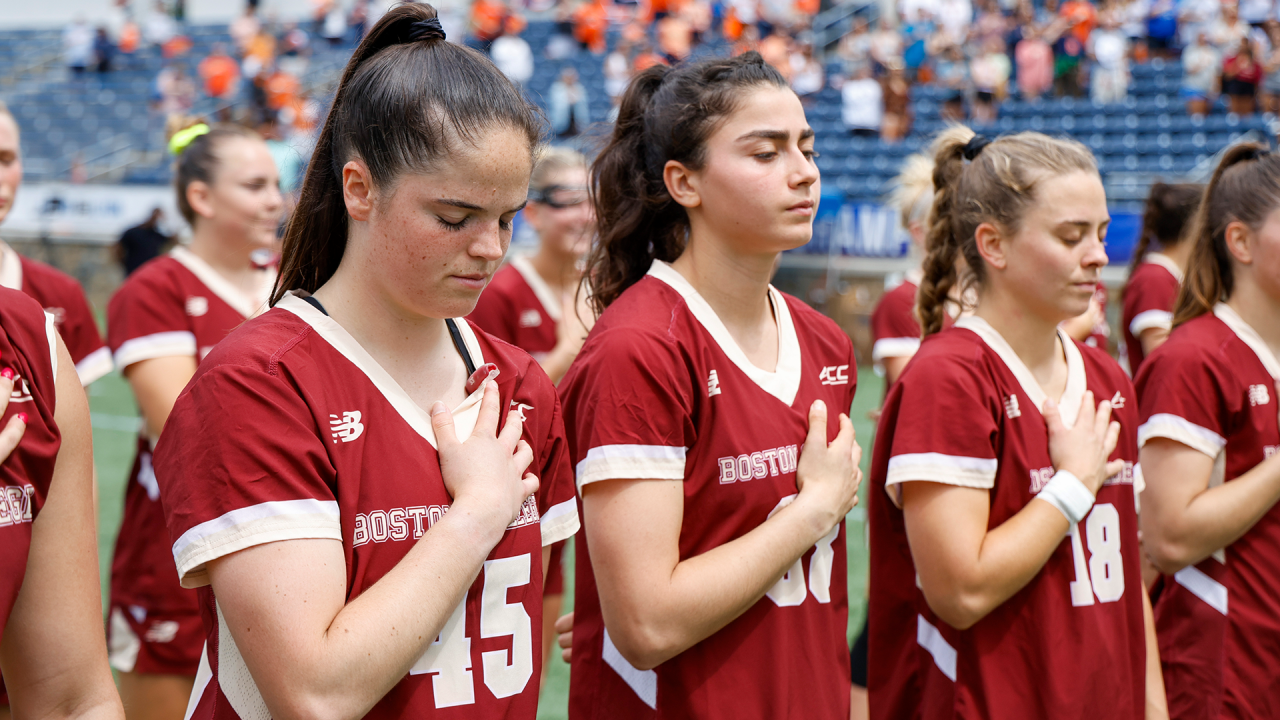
{"points": [[1103, 575]]}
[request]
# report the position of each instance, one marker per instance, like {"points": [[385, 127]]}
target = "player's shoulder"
{"points": [[899, 297], [1199, 338], [158, 275], [1152, 273], [20, 312], [48, 281], [951, 357], [263, 345]]}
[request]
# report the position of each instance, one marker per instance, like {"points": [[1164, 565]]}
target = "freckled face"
{"points": [[10, 164], [439, 237]]}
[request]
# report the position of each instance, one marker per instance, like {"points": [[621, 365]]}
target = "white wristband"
{"points": [[1065, 492]]}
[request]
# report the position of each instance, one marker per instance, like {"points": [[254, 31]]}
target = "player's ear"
{"points": [[200, 198], [991, 245], [682, 184], [1239, 240], [357, 190]]}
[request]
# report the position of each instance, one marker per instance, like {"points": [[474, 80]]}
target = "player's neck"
{"points": [[737, 289], [1260, 311], [558, 270], [231, 260], [1179, 254], [1033, 339]]}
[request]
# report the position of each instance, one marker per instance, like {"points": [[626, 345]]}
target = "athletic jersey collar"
{"points": [[539, 286], [464, 415], [1165, 262], [784, 381], [1249, 337], [1077, 382], [10, 267], [246, 305]]}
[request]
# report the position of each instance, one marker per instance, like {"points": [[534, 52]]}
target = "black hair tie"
{"points": [[429, 29], [975, 146]]}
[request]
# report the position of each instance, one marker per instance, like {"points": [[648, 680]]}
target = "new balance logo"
{"points": [[1011, 407], [834, 375], [346, 428], [713, 384], [520, 407], [197, 306], [1117, 401], [1259, 395], [21, 391], [530, 318]]}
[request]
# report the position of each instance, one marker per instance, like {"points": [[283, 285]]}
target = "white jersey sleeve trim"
{"points": [[944, 656], [1149, 320], [1165, 425], [94, 365], [180, 343], [204, 674], [560, 522], [947, 469], [51, 332], [894, 347], [639, 462], [644, 683], [254, 525], [1212, 592]]}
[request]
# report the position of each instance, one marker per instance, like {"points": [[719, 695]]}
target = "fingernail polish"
{"points": [[7, 373], [23, 418]]}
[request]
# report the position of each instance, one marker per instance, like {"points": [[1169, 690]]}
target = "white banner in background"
{"points": [[96, 213]]}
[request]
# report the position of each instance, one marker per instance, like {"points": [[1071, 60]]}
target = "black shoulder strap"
{"points": [[461, 346], [313, 302]]}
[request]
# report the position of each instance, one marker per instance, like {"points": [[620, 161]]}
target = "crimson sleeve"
{"points": [[1184, 395], [495, 314], [147, 319], [893, 325]]}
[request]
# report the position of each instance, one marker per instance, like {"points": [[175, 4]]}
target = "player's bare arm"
{"points": [[54, 655], [313, 656], [966, 570], [655, 605], [1184, 520], [157, 383]]}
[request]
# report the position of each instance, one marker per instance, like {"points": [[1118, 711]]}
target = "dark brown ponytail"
{"points": [[1245, 188], [405, 100], [1164, 222], [666, 114]]}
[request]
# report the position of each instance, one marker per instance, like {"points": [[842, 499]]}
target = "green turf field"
{"points": [[115, 425]]}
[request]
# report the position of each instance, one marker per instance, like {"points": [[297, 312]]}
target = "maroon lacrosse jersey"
{"points": [[1149, 298], [1071, 643], [894, 327], [173, 306], [64, 299], [1212, 387], [28, 347], [325, 444], [661, 391], [518, 307]]}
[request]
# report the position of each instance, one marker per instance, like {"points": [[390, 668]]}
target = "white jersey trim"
{"points": [[179, 343], [894, 348], [10, 267], [560, 522], [1172, 427], [1077, 382], [94, 365], [1149, 320], [51, 333], [1212, 592], [956, 470], [1167, 263], [631, 462], [204, 674], [539, 286], [1249, 337], [784, 381], [249, 526], [465, 415], [234, 679], [944, 656], [247, 305], [643, 682]]}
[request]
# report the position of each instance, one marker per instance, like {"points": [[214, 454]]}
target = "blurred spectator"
{"points": [[954, 17], [288, 161], [807, 76], [104, 51], [1257, 12], [562, 45], [244, 28], [896, 122], [862, 104], [159, 27], [775, 51], [1200, 64], [855, 48], [590, 23], [675, 38], [141, 243], [1271, 69], [916, 36], [358, 20], [487, 17], [1162, 27], [645, 58], [989, 71], [1194, 16], [220, 73], [1109, 48], [334, 28], [1228, 29], [280, 89], [886, 44], [295, 42], [259, 54], [568, 107], [1034, 60], [1241, 75], [1081, 17], [513, 56], [1068, 53], [77, 45], [130, 37], [617, 72], [175, 89]]}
